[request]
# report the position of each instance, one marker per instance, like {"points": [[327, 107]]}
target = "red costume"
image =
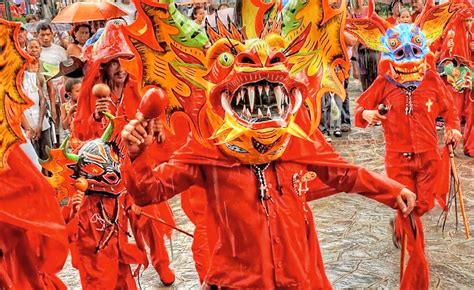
{"points": [[86, 128], [412, 154], [33, 238], [463, 47], [258, 245]]}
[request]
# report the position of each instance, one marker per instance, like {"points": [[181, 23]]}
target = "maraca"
{"points": [[101, 91], [81, 184], [153, 103]]}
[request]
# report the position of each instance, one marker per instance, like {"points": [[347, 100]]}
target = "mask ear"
{"points": [[369, 30], [434, 19]]}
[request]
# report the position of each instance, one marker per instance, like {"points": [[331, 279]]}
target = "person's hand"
{"points": [[37, 131], [137, 135], [158, 130], [136, 209], [30, 134], [355, 72], [372, 117], [101, 106], [406, 201], [77, 200], [452, 136]]}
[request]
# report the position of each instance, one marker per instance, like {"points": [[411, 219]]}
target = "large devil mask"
{"points": [[405, 47], [242, 88]]}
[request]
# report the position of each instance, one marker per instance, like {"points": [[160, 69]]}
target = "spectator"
{"points": [[395, 8], [52, 54], [34, 122], [198, 15], [69, 108], [80, 34], [405, 16], [223, 6], [367, 59], [418, 7], [22, 37], [31, 18]]}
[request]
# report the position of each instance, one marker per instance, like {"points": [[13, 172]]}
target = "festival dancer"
{"points": [[33, 239], [409, 87], [249, 145], [104, 66], [100, 204], [456, 55]]}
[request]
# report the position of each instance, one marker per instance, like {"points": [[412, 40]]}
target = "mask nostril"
{"points": [[400, 53], [416, 51]]}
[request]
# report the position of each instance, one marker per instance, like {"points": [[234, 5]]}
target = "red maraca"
{"points": [[101, 91], [153, 103]]}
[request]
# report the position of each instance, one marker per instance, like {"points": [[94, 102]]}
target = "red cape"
{"points": [[28, 203]]}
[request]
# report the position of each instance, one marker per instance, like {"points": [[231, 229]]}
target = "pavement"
{"points": [[353, 231]]}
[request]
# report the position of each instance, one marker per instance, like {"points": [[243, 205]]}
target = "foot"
{"points": [[337, 133], [345, 127], [395, 239], [327, 136], [167, 276]]}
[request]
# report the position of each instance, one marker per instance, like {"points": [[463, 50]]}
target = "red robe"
{"points": [[193, 200], [416, 135], [33, 238], [86, 128], [260, 244]]}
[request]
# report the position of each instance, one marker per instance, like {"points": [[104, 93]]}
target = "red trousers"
{"points": [[420, 173]]}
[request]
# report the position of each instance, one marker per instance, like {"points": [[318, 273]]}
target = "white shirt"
{"points": [[30, 87], [54, 54]]}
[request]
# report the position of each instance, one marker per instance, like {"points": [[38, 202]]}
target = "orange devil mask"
{"points": [[242, 90]]}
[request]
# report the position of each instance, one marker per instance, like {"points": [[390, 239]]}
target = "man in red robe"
{"points": [[412, 155], [104, 67], [260, 243]]}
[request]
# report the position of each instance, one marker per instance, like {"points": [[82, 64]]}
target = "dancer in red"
{"points": [[412, 92], [33, 238], [456, 55], [251, 141], [104, 66]]}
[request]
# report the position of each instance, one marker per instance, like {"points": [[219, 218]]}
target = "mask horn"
{"points": [[110, 128]]}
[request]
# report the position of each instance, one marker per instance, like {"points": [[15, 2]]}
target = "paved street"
{"points": [[354, 232]]}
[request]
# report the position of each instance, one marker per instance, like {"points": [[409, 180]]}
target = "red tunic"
{"points": [[260, 244]]}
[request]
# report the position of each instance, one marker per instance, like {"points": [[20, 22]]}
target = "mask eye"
{"points": [[226, 59], [393, 43], [92, 169], [416, 40]]}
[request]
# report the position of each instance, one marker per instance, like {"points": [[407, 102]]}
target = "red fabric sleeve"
{"points": [[447, 109], [360, 180], [369, 100], [150, 186]]}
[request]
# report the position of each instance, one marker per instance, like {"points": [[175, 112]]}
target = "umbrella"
{"points": [[56, 27], [88, 11]]}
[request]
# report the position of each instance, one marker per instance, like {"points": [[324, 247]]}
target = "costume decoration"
{"points": [[458, 74], [405, 47], [12, 100], [245, 91]]}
